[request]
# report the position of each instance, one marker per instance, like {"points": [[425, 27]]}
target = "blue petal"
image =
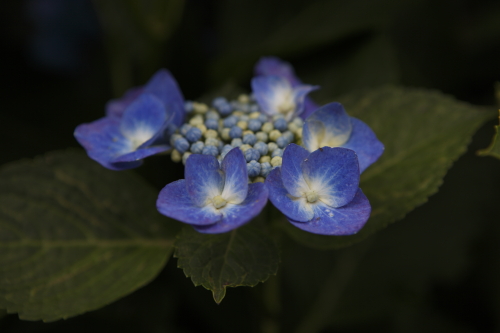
{"points": [[269, 92], [333, 173], [236, 177], [116, 107], [104, 142], [300, 93], [346, 220], [329, 126], [140, 154], [365, 143], [143, 119], [309, 108], [291, 171], [204, 179], [175, 202], [164, 86], [235, 216], [292, 207], [277, 67]]}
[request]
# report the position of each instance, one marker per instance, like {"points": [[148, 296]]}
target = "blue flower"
{"points": [[319, 192], [276, 96], [136, 126], [273, 66], [330, 126], [213, 198]]}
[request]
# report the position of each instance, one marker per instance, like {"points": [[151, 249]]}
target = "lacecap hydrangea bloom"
{"points": [[230, 147]]}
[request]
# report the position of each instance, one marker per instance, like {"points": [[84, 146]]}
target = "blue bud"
{"points": [[235, 132], [226, 149], [265, 168], [194, 134], [236, 142], [212, 123], [262, 118], [254, 125], [253, 168], [280, 124], [249, 139], [212, 115], [184, 128], [197, 147], [254, 108], [188, 106], [230, 121], [181, 145], [289, 136], [277, 152], [252, 154], [210, 150], [221, 104], [261, 148], [282, 142]]}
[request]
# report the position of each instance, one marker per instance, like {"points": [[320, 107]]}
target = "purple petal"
{"points": [[292, 207], [104, 142], [143, 119], [270, 92], [140, 154], [309, 108], [329, 126], [333, 173], [365, 143], [291, 171], [116, 107], [346, 220], [204, 179], [164, 86], [235, 216], [275, 66], [236, 177], [175, 202], [300, 93]]}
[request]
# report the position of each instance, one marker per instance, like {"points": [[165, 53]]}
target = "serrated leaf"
{"points": [[75, 236], [423, 133], [242, 257]]}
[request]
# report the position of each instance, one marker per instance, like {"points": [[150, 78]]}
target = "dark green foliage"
{"points": [[242, 257], [75, 236]]}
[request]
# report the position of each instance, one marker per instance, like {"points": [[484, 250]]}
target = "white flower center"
{"points": [[218, 202], [311, 196]]}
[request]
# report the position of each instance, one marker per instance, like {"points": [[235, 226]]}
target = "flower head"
{"points": [[330, 126], [137, 126], [213, 198], [319, 191]]}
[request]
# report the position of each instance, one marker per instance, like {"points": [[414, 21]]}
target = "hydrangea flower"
{"points": [[319, 192], [136, 126], [328, 126], [213, 198], [331, 126], [276, 95], [273, 66]]}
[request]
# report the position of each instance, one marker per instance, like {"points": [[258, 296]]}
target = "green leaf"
{"points": [[423, 133], [494, 148], [242, 257], [75, 236]]}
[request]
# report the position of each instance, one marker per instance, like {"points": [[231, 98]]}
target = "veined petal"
{"points": [[299, 95], [365, 143], [275, 66], [235, 216], [295, 208], [104, 142], [236, 177], [291, 171], [204, 179], [165, 87], [175, 202], [333, 173], [274, 94], [329, 126], [143, 119], [346, 220]]}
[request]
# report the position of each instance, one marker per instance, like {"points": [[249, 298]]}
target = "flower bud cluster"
{"points": [[216, 129]]}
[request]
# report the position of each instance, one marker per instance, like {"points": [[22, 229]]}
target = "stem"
{"points": [[272, 304], [329, 295]]}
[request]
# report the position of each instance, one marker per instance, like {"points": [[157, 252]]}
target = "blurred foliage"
{"points": [[436, 270]]}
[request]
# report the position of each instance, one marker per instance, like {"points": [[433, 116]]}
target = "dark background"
{"points": [[438, 270]]}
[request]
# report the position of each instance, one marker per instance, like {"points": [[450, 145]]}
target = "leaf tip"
{"points": [[219, 294]]}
